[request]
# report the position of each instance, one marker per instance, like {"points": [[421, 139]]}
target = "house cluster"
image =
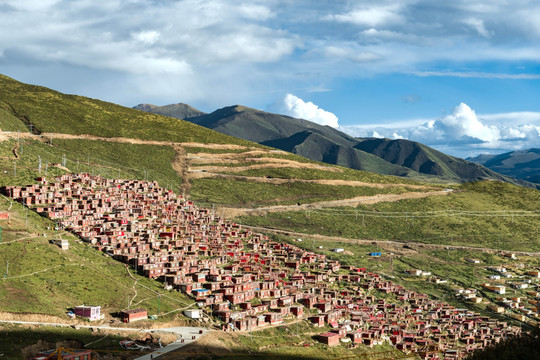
{"points": [[246, 280], [524, 302]]}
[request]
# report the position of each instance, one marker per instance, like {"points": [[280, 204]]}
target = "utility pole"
{"points": [[15, 170], [18, 135], [39, 169], [7, 268], [77, 165], [31, 126]]}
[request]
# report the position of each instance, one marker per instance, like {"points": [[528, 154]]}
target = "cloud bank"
{"points": [[237, 51], [298, 108], [463, 133]]}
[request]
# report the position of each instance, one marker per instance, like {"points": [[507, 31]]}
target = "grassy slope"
{"points": [[108, 159], [518, 233], [8, 122], [245, 193], [44, 279], [50, 111]]}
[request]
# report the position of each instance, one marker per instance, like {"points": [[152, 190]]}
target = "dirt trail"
{"points": [[271, 165], [180, 164], [336, 182], [353, 202], [45, 137], [204, 158], [15, 150]]}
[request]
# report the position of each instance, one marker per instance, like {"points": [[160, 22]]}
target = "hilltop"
{"points": [[179, 111], [323, 143]]}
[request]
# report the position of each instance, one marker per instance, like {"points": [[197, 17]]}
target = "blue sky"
{"points": [[461, 76]]}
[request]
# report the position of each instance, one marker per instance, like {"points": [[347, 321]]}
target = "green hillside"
{"points": [[50, 111], [39, 277], [484, 214]]}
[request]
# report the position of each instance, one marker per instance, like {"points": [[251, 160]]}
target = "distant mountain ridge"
{"points": [[323, 143], [522, 164], [179, 111]]}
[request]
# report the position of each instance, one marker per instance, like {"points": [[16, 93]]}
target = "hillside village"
{"points": [[248, 281]]}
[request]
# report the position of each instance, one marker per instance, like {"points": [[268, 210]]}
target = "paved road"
{"points": [[187, 335]]}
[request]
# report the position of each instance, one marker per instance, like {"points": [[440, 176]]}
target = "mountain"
{"points": [[425, 160], [302, 137], [179, 111], [522, 164], [326, 144]]}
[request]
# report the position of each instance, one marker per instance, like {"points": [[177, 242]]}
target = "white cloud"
{"points": [[147, 37], [462, 132], [298, 108], [349, 53], [463, 123], [370, 16], [478, 25]]}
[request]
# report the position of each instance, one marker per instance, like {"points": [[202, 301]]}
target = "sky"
{"points": [[461, 76]]}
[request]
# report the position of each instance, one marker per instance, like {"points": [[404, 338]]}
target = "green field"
{"points": [[253, 194], [437, 219]]}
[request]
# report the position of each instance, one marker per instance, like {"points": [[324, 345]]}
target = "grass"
{"points": [[113, 160], [46, 280], [246, 193], [50, 111], [8, 122], [287, 342], [397, 221], [339, 173], [450, 265]]}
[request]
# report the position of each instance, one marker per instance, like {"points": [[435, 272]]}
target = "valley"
{"points": [[439, 243]]}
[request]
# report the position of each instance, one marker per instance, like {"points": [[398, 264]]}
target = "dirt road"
{"points": [[353, 202]]}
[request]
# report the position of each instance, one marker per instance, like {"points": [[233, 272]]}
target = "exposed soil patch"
{"points": [[180, 164]]}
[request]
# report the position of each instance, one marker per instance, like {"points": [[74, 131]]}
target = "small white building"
{"points": [[62, 243], [193, 313], [338, 250]]}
